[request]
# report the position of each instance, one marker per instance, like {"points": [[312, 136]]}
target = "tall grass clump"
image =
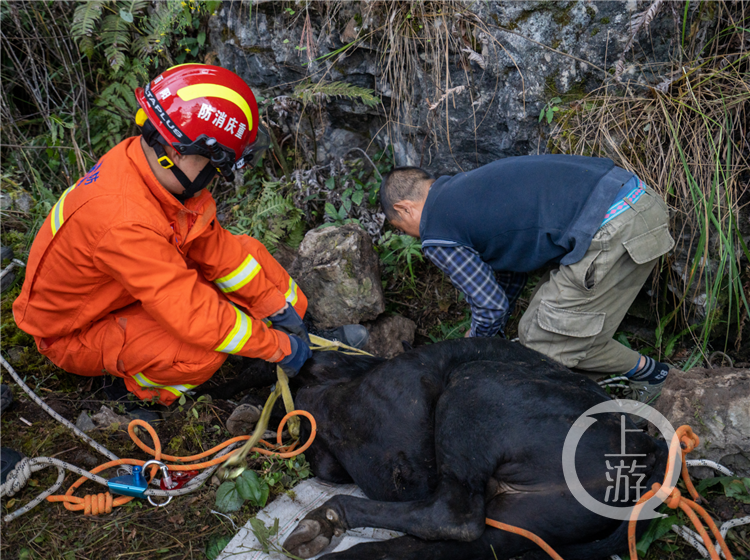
{"points": [[687, 137]]}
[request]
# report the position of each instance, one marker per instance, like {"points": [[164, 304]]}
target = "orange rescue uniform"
{"points": [[124, 279]]}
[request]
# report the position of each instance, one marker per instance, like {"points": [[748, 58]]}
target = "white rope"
{"points": [[693, 538], [19, 476], [100, 448], [710, 464], [23, 470]]}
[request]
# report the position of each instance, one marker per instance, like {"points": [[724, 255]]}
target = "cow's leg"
{"points": [[451, 512]]}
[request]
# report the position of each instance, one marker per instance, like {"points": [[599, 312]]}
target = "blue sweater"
{"points": [[522, 213]]}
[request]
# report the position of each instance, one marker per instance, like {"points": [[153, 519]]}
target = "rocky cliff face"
{"points": [[461, 84]]}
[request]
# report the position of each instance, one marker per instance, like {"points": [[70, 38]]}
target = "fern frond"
{"points": [[115, 57], [115, 31], [115, 37], [144, 46], [85, 18], [309, 92], [86, 44], [132, 6]]}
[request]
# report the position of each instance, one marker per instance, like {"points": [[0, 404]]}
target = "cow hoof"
{"points": [[308, 539], [333, 517]]}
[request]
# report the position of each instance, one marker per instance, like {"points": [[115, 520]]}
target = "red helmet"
{"points": [[203, 110]]}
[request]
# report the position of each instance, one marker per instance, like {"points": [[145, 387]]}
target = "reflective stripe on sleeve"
{"points": [[240, 276], [57, 212], [291, 293], [238, 336], [176, 390]]}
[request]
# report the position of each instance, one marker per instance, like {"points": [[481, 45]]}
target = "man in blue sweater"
{"points": [[599, 228]]}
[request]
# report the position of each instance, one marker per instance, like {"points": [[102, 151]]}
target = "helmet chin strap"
{"points": [[191, 187]]}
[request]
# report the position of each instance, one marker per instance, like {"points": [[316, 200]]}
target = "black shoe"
{"points": [[6, 398], [114, 388], [8, 460], [355, 336]]}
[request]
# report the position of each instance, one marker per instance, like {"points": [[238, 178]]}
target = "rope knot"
{"points": [[688, 439], [673, 501], [17, 478]]}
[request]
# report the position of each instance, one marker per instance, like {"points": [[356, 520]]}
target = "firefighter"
{"points": [[132, 275]]}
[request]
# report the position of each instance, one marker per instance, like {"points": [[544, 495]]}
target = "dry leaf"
{"points": [[350, 32], [475, 57]]}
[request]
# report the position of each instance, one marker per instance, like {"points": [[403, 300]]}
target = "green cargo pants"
{"points": [[576, 309]]}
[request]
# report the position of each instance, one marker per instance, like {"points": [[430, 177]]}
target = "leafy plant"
{"points": [[247, 487], [656, 530], [338, 217], [216, 544], [734, 487], [265, 534], [286, 472], [549, 110], [399, 251], [267, 214], [448, 331]]}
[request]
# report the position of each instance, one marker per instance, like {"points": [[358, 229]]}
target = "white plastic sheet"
{"points": [[308, 495]]}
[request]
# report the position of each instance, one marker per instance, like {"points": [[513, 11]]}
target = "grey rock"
{"points": [[84, 423], [83, 458], [716, 404], [496, 114], [6, 202], [242, 421], [106, 417], [386, 334], [24, 202], [15, 354], [338, 271]]}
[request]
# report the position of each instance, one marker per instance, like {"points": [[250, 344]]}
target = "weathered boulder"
{"points": [[386, 334], [716, 404], [338, 271]]}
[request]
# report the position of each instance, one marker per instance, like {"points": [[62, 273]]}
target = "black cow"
{"points": [[443, 436]]}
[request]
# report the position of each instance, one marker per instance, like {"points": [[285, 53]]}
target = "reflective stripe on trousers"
{"points": [[176, 390]]}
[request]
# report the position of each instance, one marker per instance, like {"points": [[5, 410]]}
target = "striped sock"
{"points": [[651, 372]]}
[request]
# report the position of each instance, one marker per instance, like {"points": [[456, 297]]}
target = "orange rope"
{"points": [[524, 533], [687, 441], [95, 504]]}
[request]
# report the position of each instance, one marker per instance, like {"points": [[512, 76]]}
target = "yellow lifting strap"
{"points": [[236, 464]]}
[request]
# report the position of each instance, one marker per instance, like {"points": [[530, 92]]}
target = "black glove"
{"points": [[300, 354], [289, 321]]}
